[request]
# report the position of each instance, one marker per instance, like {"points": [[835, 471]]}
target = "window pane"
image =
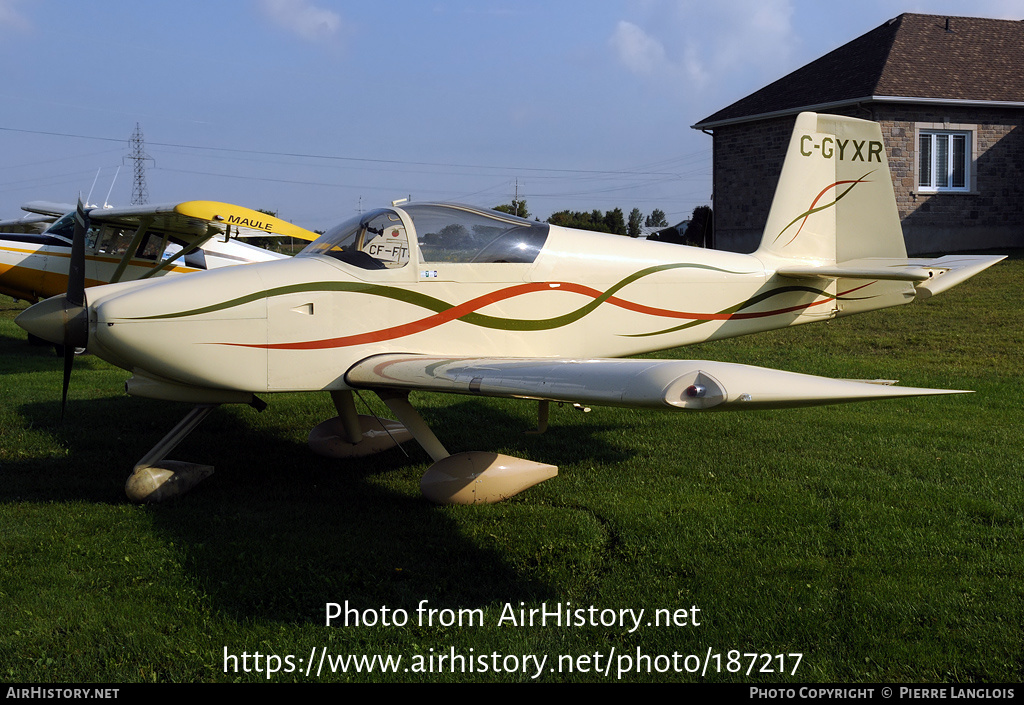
{"points": [[924, 167], [942, 160], [959, 161]]}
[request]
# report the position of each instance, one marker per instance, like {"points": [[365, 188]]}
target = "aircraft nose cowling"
{"points": [[203, 329], [58, 321]]}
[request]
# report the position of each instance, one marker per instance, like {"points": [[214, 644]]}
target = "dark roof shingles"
{"points": [[911, 56]]}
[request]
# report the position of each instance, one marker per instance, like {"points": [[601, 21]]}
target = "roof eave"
{"points": [[848, 102]]}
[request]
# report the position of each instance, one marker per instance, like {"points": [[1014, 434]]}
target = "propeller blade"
{"points": [[76, 312], [69, 360], [64, 320], [76, 272]]}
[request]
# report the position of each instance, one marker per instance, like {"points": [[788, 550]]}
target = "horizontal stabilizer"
{"points": [[951, 270], [893, 273], [930, 276], [659, 384]]}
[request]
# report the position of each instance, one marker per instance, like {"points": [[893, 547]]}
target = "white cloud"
{"points": [[303, 18], [11, 18], [646, 56], [698, 43], [992, 9], [754, 34], [640, 52]]}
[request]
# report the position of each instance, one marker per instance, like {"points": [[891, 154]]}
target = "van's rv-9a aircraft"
{"points": [[452, 299], [134, 242]]}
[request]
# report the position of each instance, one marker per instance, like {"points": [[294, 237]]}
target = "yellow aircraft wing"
{"points": [[133, 239], [194, 222], [193, 218]]}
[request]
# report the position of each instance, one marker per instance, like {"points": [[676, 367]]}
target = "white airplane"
{"points": [[449, 298], [134, 242]]}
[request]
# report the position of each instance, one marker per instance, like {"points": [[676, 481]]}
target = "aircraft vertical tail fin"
{"points": [[835, 200]]}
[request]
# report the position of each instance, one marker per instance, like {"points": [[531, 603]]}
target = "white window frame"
{"points": [[940, 159]]}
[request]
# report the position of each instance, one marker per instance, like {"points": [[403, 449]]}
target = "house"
{"points": [[949, 94]]}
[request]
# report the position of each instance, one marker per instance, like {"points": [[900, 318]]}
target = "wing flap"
{"points": [[658, 384]]}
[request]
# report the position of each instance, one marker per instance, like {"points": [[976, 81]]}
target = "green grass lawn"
{"points": [[881, 541]]}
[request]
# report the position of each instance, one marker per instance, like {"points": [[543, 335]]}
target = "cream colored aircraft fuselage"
{"points": [[449, 298], [299, 325]]}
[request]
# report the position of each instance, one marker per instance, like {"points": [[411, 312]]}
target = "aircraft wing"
{"points": [[930, 276], [48, 208], [28, 223], [195, 223], [39, 215], [199, 218], [657, 384]]}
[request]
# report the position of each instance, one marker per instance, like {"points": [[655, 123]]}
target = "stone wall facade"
{"points": [[989, 214]]}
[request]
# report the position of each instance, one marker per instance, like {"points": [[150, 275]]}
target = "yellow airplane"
{"points": [[135, 242], [448, 298]]}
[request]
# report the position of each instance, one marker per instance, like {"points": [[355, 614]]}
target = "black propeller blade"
{"points": [[76, 273], [76, 311]]}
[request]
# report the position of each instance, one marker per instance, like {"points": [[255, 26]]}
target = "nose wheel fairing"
{"points": [[156, 479]]}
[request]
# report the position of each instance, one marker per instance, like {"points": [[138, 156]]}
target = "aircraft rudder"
{"points": [[834, 201]]}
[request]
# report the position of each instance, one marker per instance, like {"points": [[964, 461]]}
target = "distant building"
{"points": [[949, 94], [647, 232]]}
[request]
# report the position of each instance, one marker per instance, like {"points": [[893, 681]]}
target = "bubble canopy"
{"points": [[380, 239]]}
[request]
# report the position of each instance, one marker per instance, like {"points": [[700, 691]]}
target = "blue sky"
{"points": [[320, 108]]}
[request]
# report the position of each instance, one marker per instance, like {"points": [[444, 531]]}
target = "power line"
{"points": [[366, 160]]}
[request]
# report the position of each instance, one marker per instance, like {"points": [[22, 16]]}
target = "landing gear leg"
{"points": [[346, 406], [156, 479], [474, 477], [543, 412], [398, 401], [354, 435]]}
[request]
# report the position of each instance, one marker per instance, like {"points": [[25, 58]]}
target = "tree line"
{"points": [[695, 231]]}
